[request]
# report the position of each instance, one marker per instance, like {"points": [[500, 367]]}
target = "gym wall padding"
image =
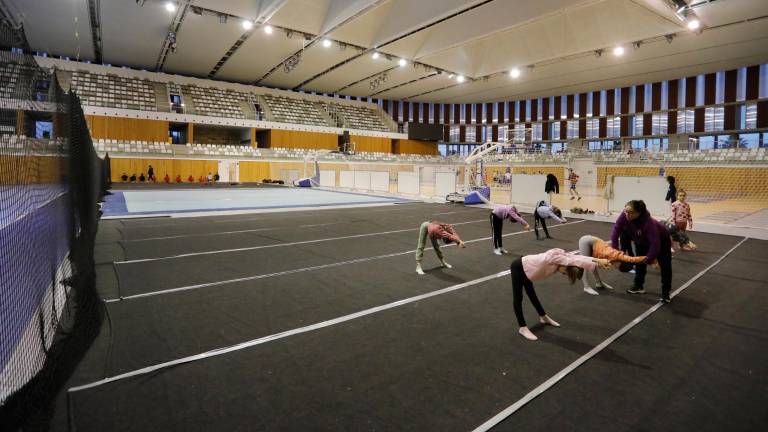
{"points": [[528, 189], [127, 129], [652, 190], [380, 181], [172, 167], [408, 182]]}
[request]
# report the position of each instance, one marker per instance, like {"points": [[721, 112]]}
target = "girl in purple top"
{"points": [[498, 214]]}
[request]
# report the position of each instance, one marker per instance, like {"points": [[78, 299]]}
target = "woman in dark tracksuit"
{"points": [[651, 240]]}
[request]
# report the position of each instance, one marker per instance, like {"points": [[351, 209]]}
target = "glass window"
{"points": [[659, 124], [741, 84], [536, 134], [593, 128], [503, 133], [613, 126], [665, 95], [572, 130], [750, 120], [555, 131], [470, 134], [453, 134], [685, 121], [636, 126], [713, 119]]}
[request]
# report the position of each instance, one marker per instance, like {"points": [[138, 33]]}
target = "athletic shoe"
{"points": [[579, 199], [632, 271], [504, 251], [497, 251], [604, 285], [665, 299], [636, 290], [590, 290]]}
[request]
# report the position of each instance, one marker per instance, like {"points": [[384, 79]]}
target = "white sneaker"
{"points": [[446, 265], [547, 320], [526, 333], [590, 290], [632, 271], [504, 251], [604, 285], [497, 251], [419, 270]]}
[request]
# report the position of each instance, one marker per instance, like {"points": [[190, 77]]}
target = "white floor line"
{"points": [[221, 251], [300, 330], [546, 385], [230, 232], [299, 270]]}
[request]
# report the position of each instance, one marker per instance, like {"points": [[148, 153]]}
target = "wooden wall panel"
{"points": [[405, 146], [534, 109], [371, 144], [753, 82], [300, 139], [172, 167], [656, 96], [545, 108], [690, 92], [127, 129]]}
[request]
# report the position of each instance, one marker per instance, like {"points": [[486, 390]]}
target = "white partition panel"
{"points": [[328, 178], [380, 181], [363, 180], [652, 190], [408, 183], [224, 167], [445, 183], [528, 189], [347, 179]]}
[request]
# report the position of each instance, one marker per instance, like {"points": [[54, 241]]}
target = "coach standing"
{"points": [[651, 239]]}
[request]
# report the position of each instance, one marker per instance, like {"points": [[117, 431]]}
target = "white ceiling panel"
{"points": [[71, 36], [303, 15], [687, 55], [354, 70], [258, 55], [314, 59], [432, 83], [396, 77], [722, 12], [363, 30], [197, 31], [133, 35], [250, 9]]}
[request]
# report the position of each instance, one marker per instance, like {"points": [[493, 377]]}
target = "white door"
{"points": [[380, 181], [408, 183], [224, 170]]}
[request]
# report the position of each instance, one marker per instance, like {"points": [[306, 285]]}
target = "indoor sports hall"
{"points": [[383, 215]]}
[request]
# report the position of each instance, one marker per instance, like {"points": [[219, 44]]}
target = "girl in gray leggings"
{"points": [[595, 247]]}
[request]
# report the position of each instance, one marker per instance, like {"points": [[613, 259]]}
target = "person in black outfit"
{"points": [[552, 184], [151, 173], [142, 178], [124, 177], [672, 192], [133, 178]]}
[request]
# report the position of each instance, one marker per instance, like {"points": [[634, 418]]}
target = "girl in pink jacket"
{"points": [[498, 214], [529, 268]]}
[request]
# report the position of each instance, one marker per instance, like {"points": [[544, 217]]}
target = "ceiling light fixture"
{"points": [[514, 73], [375, 55], [326, 43], [247, 24], [693, 24], [618, 51], [402, 62], [450, 76], [268, 29], [460, 78], [170, 7]]}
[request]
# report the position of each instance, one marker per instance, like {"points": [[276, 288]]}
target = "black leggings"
{"points": [[520, 281], [496, 225], [665, 263], [538, 219]]}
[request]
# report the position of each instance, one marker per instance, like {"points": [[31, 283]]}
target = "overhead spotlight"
{"points": [[402, 62], [268, 29], [170, 7], [636, 45], [460, 78], [450, 76], [289, 34], [223, 19], [375, 55], [598, 53], [514, 73], [669, 37], [247, 24], [693, 24], [388, 57], [197, 11], [326, 43], [342, 46], [618, 51]]}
